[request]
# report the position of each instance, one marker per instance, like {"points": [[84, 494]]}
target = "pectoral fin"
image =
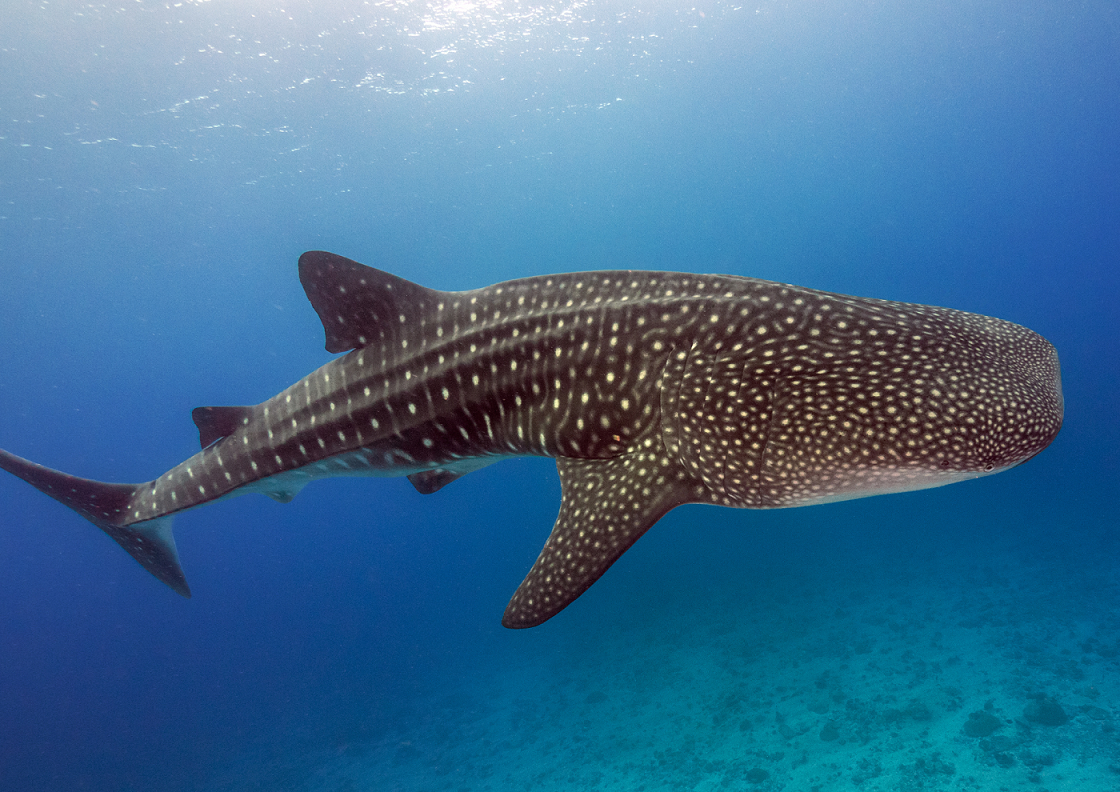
{"points": [[607, 505]]}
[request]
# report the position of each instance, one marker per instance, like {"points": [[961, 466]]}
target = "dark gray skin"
{"points": [[651, 390]]}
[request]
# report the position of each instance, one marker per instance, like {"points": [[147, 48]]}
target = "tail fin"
{"points": [[150, 542]]}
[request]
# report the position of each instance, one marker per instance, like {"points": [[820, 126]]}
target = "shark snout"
{"points": [[1051, 402]]}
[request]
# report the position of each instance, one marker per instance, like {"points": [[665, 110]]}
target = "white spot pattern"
{"points": [[712, 389]]}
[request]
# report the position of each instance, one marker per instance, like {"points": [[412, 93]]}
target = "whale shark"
{"points": [[650, 389]]}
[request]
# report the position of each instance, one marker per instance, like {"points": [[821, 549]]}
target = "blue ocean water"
{"points": [[162, 167]]}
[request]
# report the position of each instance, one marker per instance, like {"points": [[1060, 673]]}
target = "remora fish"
{"points": [[651, 390]]}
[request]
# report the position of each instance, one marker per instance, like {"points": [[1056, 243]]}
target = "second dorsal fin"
{"points": [[214, 423], [358, 304]]}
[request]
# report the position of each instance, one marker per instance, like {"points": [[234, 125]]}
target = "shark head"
{"points": [[949, 397]]}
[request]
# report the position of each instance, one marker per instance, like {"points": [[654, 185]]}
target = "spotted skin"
{"points": [[651, 390]]}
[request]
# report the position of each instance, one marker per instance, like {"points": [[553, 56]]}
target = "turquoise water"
{"points": [[162, 166]]}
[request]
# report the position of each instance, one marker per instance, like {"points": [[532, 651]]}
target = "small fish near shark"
{"points": [[650, 389]]}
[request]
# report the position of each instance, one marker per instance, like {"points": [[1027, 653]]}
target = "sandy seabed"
{"points": [[948, 675]]}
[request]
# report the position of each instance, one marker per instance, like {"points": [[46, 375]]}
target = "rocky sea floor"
{"points": [[945, 675]]}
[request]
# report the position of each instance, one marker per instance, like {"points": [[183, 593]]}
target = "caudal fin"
{"points": [[150, 542]]}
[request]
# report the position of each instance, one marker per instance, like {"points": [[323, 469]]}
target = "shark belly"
{"points": [[283, 487]]}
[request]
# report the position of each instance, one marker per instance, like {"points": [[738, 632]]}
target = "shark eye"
{"points": [[988, 467]]}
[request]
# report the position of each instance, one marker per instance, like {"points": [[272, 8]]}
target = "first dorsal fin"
{"points": [[358, 304], [214, 423]]}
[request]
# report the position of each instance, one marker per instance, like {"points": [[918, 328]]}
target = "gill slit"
{"points": [[765, 443], [678, 434]]}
